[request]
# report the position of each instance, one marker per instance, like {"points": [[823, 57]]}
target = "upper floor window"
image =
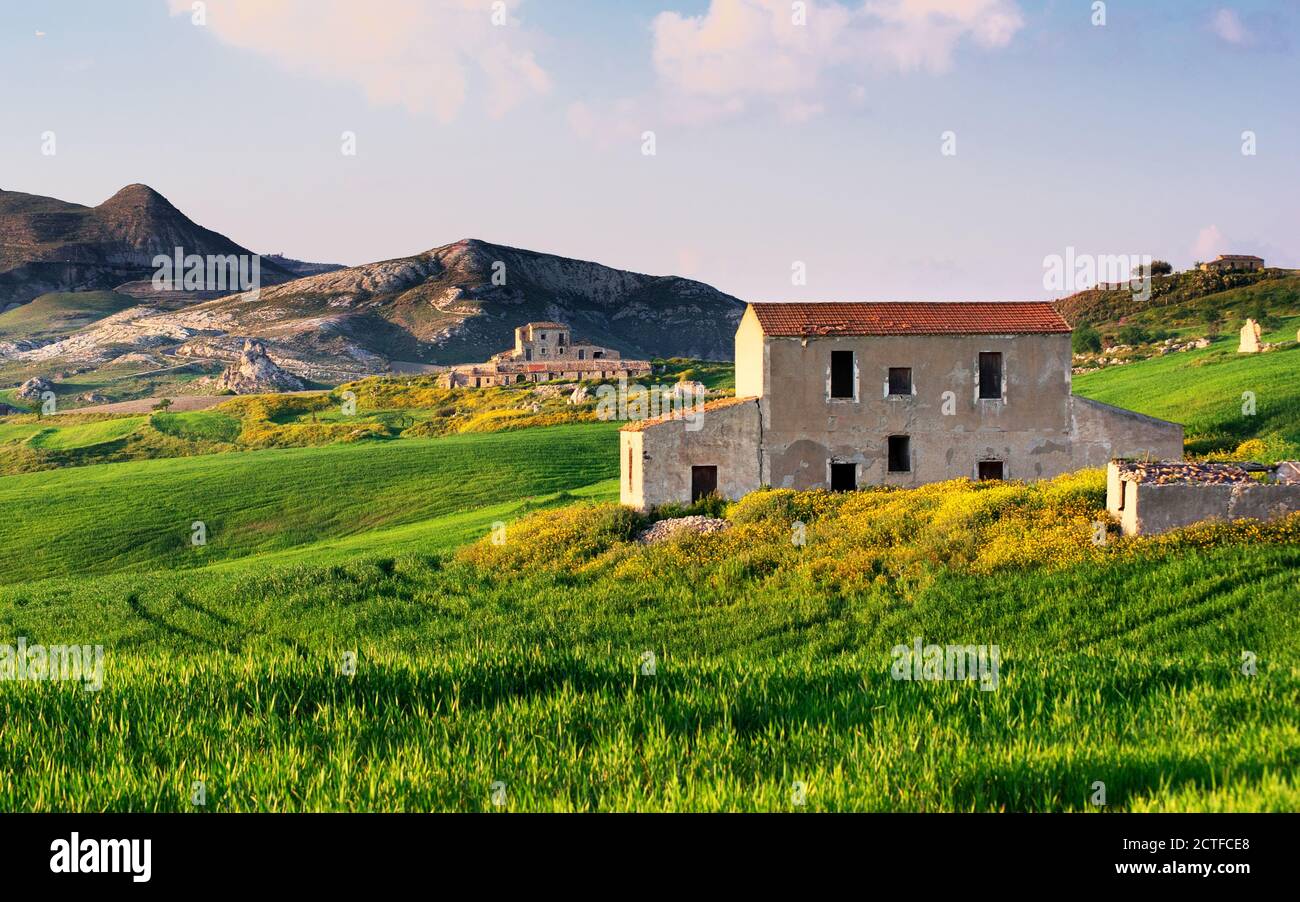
{"points": [[990, 376], [841, 374], [543, 336], [900, 380]]}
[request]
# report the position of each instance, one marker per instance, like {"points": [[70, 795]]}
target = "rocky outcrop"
{"points": [[254, 373], [33, 388]]}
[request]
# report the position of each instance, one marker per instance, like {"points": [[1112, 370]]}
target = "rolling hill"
{"points": [[462, 302], [137, 515], [49, 245]]}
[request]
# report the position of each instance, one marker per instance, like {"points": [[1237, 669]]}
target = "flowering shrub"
{"points": [[881, 538]]}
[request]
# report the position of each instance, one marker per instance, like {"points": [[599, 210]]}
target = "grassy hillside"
{"points": [[53, 315], [1183, 301], [385, 409], [1204, 391], [526, 662], [139, 515]]}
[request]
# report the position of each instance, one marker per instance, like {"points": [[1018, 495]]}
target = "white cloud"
{"points": [[1209, 244], [742, 54], [423, 55], [1228, 26], [743, 51]]}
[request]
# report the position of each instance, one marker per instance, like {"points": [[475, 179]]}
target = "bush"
{"points": [[1134, 335], [1085, 340], [781, 506], [712, 505]]}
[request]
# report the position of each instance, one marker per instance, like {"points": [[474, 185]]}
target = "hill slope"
{"points": [[1204, 391], [447, 305], [49, 245], [138, 515]]}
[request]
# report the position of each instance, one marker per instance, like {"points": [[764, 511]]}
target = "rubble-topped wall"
{"points": [[1153, 497]]}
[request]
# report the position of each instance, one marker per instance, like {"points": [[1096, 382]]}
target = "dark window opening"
{"points": [[841, 374], [543, 336], [704, 482], [844, 477], [990, 376], [900, 380], [990, 469], [528, 353], [597, 355], [582, 355], [1123, 492], [900, 454], [629, 469]]}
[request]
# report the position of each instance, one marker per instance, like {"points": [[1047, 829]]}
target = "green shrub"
{"points": [[1085, 340]]}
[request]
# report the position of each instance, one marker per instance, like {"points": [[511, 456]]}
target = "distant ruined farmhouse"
{"points": [[542, 352], [1234, 263], [839, 395]]}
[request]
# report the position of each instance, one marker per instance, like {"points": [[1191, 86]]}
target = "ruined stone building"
{"points": [[1149, 497], [1234, 263], [543, 352], [842, 395]]}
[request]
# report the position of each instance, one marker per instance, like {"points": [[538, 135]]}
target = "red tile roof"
{"points": [[909, 318], [720, 404]]}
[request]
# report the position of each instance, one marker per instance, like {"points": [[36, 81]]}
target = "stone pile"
{"points": [[668, 529], [1176, 472]]}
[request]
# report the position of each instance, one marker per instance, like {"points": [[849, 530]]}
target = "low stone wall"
{"points": [[1149, 509]]}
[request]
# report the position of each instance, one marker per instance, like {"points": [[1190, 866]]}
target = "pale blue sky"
{"points": [[1121, 139]]}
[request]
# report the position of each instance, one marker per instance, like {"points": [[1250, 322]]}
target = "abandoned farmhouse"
{"points": [[542, 352], [841, 395], [1234, 263]]}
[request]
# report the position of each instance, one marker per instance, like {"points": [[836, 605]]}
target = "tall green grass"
{"points": [[139, 515], [469, 670]]}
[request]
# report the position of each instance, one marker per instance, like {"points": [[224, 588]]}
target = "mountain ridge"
{"points": [[51, 245]]}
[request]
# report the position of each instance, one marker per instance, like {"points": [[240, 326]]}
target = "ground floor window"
{"points": [[844, 477], [704, 482], [900, 454], [990, 469]]}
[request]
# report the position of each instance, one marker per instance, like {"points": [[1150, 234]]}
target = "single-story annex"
{"points": [[841, 395]]}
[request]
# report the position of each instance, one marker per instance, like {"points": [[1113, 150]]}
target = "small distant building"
{"points": [[1234, 263], [544, 352], [1148, 497]]}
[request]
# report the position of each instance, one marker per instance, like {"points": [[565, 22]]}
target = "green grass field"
{"points": [[524, 663], [139, 514], [349, 638]]}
